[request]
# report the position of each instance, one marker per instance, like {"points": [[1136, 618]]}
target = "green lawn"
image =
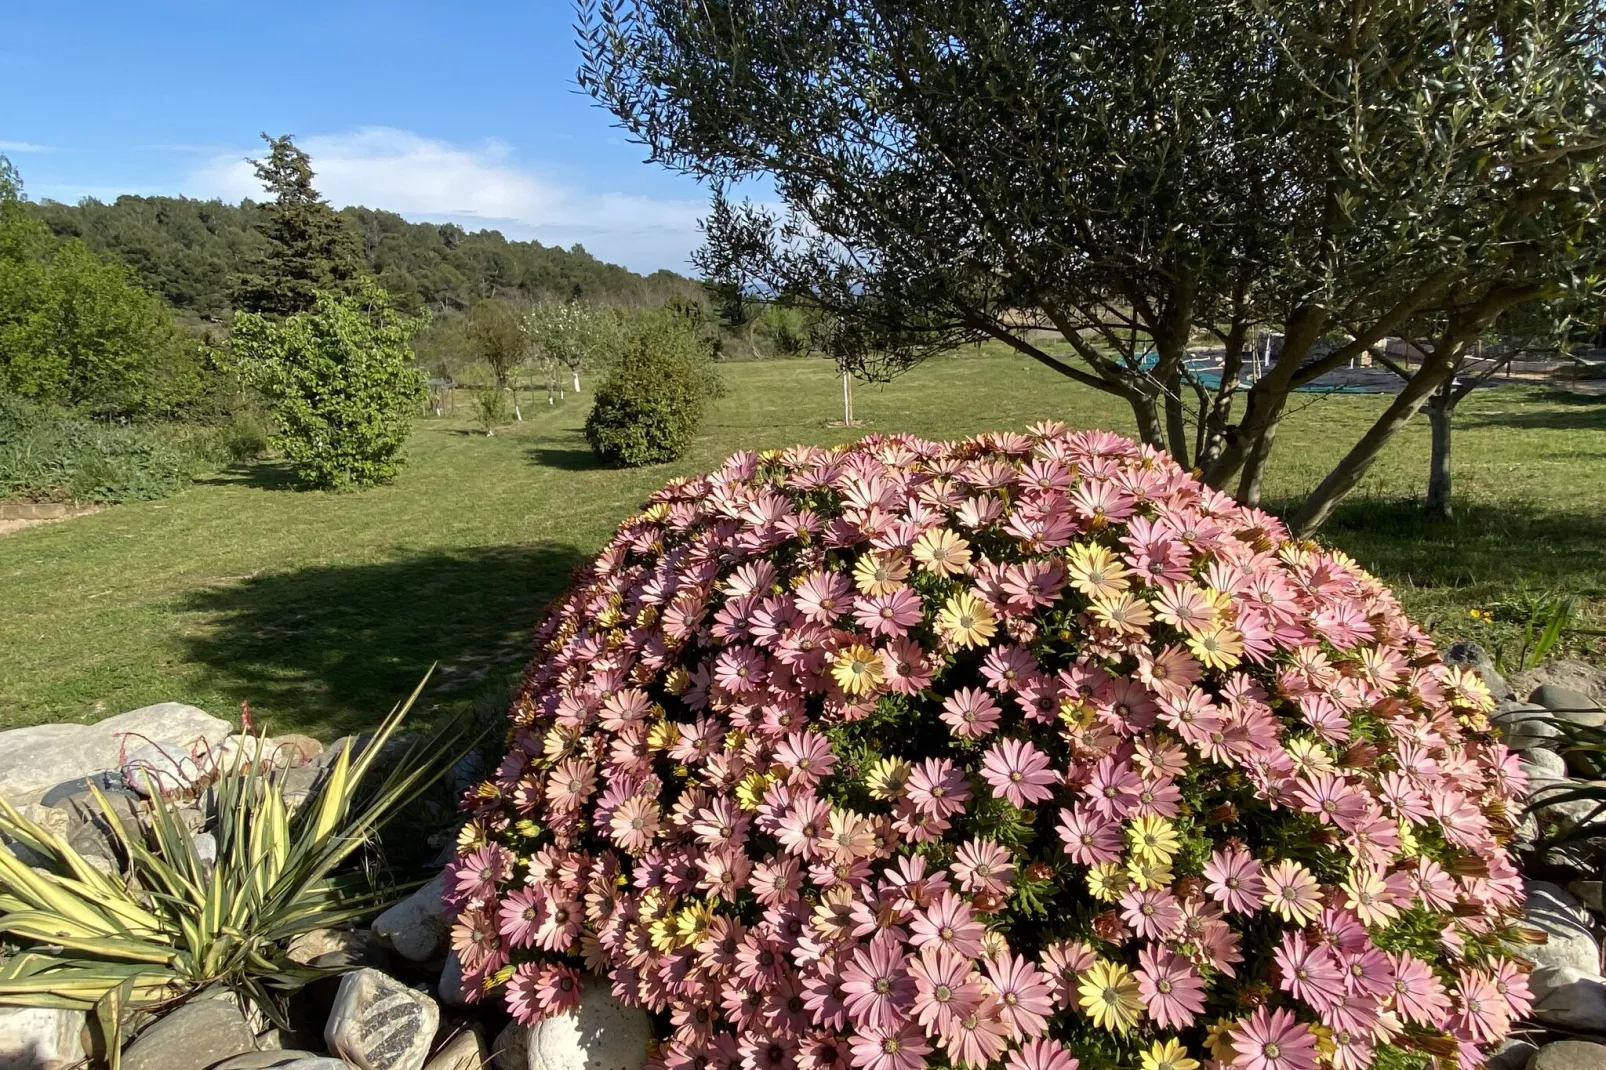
{"points": [[322, 609]]}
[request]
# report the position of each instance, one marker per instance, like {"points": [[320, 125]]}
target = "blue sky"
{"points": [[460, 111]]}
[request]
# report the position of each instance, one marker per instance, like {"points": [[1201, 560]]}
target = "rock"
{"points": [[1524, 725], [465, 1051], [1564, 921], [1568, 1055], [1548, 797], [198, 1034], [205, 847], [1469, 655], [158, 769], [450, 987], [330, 949], [416, 927], [1513, 1054], [270, 1060], [34, 760], [1569, 705], [1542, 764], [1589, 893], [296, 749], [1570, 999], [95, 847], [603, 1034], [378, 1023], [40, 1038], [1566, 672]]}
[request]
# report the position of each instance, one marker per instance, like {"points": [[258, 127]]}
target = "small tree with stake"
{"points": [[1131, 176], [501, 337]]}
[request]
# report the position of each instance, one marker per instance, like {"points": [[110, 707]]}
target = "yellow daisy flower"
{"points": [[1124, 613], [1168, 1055], [1309, 755], [750, 792], [1107, 881], [1217, 648], [886, 778], [1148, 875], [691, 923], [857, 669], [1218, 1041], [1109, 994], [1154, 840], [663, 735], [941, 551], [966, 620], [879, 573], [1095, 571]]}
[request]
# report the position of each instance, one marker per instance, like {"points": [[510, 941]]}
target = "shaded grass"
{"points": [[322, 609]]}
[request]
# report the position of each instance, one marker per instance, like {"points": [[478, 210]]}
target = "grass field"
{"points": [[322, 610]]}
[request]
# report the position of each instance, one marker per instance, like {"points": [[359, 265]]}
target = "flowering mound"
{"points": [[1020, 751]]}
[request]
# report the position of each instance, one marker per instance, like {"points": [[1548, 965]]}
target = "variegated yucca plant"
{"points": [[177, 923]]}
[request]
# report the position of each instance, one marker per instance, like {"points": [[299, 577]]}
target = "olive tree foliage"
{"points": [[1133, 177]]}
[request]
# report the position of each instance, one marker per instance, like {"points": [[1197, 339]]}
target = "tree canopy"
{"points": [[1132, 177]]}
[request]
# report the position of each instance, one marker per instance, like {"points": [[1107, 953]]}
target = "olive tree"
{"points": [[1132, 177]]}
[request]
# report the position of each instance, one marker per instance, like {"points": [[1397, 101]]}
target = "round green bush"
{"points": [[649, 406]]}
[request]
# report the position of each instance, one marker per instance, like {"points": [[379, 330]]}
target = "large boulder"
{"points": [[465, 1051], [1570, 673], [1569, 704], [1569, 943], [34, 760], [601, 1034], [1569, 1055], [416, 928], [194, 1037], [275, 1060], [378, 1023], [1570, 999], [40, 1038], [1524, 725]]}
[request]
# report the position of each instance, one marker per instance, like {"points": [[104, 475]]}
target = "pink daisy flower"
{"points": [[936, 787], [970, 712], [1023, 993], [1272, 1041], [977, 1038], [1152, 913], [903, 1047], [948, 923], [1018, 772], [877, 987], [983, 866], [1309, 973], [1042, 1054], [1090, 838], [1234, 881], [1172, 989], [522, 915], [945, 988]]}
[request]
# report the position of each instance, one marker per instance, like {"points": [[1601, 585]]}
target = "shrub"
{"points": [[650, 404], [50, 455], [343, 384], [1007, 749], [246, 437]]}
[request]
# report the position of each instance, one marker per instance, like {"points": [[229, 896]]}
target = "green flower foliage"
{"points": [[343, 383]]}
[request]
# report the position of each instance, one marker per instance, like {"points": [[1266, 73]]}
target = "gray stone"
{"points": [[162, 769], [450, 988], [1589, 894], [95, 847], [205, 847], [1569, 1055], [1543, 764], [1549, 799], [35, 760], [40, 1038], [331, 949], [465, 1051], [1469, 655], [316, 1062], [602, 1034], [1569, 705], [417, 927], [1569, 999], [196, 1035], [378, 1023], [1512, 1054], [1524, 725], [1564, 921], [268, 1060]]}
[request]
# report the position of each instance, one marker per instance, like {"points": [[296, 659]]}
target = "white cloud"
{"points": [[427, 179], [25, 146]]}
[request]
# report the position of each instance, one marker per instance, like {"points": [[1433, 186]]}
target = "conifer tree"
{"points": [[310, 247]]}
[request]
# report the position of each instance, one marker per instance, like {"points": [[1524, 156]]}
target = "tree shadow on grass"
{"points": [[1571, 412], [565, 458], [331, 649], [259, 475], [1484, 550]]}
